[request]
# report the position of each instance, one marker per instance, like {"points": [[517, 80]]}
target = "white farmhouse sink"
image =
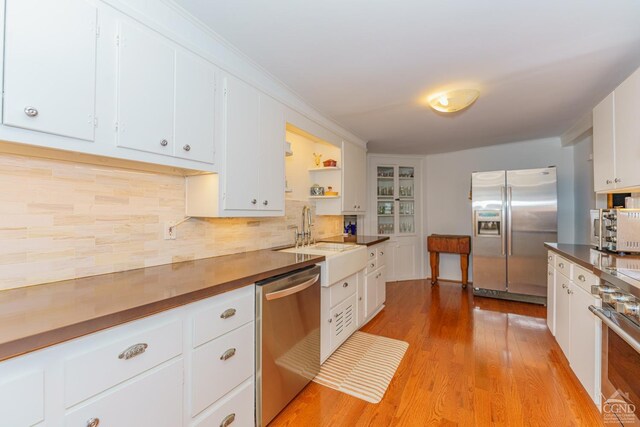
{"points": [[343, 259]]}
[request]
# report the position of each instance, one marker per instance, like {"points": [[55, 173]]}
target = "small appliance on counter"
{"points": [[616, 230]]}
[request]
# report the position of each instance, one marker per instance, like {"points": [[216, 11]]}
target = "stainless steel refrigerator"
{"points": [[514, 213]]}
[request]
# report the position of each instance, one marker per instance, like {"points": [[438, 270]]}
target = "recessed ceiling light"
{"points": [[453, 100]]}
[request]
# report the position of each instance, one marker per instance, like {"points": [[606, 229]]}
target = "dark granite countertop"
{"points": [[39, 316], [358, 240]]}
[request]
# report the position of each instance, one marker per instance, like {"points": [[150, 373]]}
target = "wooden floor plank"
{"points": [[471, 361]]}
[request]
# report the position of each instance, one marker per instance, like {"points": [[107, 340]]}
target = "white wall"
{"points": [[447, 179], [584, 196]]}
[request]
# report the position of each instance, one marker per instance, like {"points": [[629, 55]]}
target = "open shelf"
{"points": [[330, 168], [324, 197]]}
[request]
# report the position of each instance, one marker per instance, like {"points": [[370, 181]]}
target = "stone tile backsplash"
{"points": [[61, 220]]}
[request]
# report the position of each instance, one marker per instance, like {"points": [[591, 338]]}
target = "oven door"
{"points": [[620, 368]]}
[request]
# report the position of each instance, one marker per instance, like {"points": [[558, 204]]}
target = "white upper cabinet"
{"points": [[195, 108], [354, 178], [271, 162], [50, 66], [242, 134], [616, 138], [146, 64], [627, 132], [604, 166]]}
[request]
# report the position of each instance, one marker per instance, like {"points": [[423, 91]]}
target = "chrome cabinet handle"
{"points": [[617, 180], [372, 254], [133, 351], [358, 206], [345, 284], [550, 258], [381, 253], [254, 201], [359, 298], [93, 422], [609, 181], [229, 312], [561, 265], [164, 142], [581, 278], [330, 320], [372, 265], [266, 202], [228, 354], [187, 147], [30, 111], [564, 286], [569, 291], [228, 420]]}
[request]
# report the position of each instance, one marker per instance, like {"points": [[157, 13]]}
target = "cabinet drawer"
{"points": [[103, 367], [22, 400], [150, 400], [220, 365], [371, 250], [584, 278], [551, 258], [381, 257], [225, 313], [341, 290], [236, 409], [372, 264], [563, 266]]}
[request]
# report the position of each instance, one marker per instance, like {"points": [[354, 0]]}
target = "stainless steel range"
{"points": [[620, 315]]}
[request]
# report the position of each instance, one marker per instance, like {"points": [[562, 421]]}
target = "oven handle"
{"points": [[604, 316]]}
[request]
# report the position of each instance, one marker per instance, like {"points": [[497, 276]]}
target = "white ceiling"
{"points": [[540, 65]]}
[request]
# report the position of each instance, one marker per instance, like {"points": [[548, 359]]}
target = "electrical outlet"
{"points": [[170, 231]]}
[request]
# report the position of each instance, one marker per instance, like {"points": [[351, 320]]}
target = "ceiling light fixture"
{"points": [[453, 100]]}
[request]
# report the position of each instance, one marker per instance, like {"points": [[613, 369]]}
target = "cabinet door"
{"points": [[195, 108], [353, 178], [551, 299], [371, 293], [362, 309], [604, 168], [563, 315], [50, 66], [627, 131], [343, 321], [242, 119], [381, 285], [145, 90], [585, 341], [151, 400], [271, 162]]}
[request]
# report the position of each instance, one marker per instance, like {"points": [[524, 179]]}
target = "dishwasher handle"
{"points": [[292, 290]]}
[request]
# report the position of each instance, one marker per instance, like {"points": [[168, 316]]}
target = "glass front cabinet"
{"points": [[395, 199]]}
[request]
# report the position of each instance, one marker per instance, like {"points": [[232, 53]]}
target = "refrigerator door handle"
{"points": [[503, 196], [509, 233]]}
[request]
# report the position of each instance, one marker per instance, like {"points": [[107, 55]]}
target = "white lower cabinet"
{"points": [[22, 399], [577, 330], [171, 369], [551, 299], [155, 399], [236, 409], [375, 284], [343, 321]]}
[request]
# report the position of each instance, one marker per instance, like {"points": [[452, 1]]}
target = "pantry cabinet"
{"points": [[50, 66], [354, 178], [616, 133]]}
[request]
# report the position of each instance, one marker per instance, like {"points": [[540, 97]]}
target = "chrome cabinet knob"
{"points": [[345, 285], [561, 265], [187, 147], [355, 206], [617, 180], [164, 142], [609, 181], [330, 320], [564, 286], [358, 206], [266, 202], [254, 201], [581, 278], [30, 111], [93, 422], [360, 299], [381, 253], [372, 265]]}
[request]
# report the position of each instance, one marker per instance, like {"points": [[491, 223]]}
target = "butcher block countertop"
{"points": [[39, 316], [358, 240]]}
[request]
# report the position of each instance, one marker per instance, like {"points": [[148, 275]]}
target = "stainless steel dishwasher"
{"points": [[287, 339]]}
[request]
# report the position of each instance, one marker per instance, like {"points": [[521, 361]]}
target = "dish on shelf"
{"points": [[330, 163]]}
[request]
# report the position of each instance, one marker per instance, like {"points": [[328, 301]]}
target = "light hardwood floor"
{"points": [[471, 362]]}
